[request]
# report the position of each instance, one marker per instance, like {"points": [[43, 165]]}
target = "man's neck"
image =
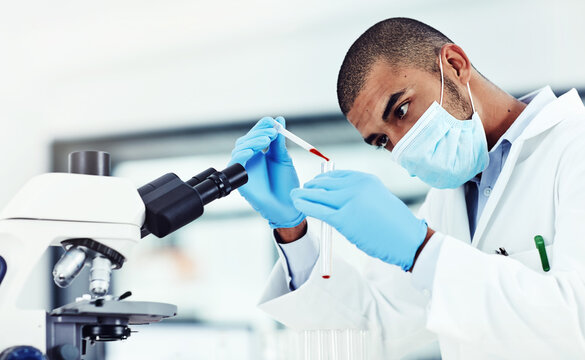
{"points": [[497, 109]]}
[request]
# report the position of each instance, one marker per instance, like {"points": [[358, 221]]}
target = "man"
{"points": [[467, 272]]}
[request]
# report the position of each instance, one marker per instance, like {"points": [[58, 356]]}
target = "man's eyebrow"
{"points": [[393, 99], [370, 138]]}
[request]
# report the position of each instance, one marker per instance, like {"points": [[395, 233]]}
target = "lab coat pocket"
{"points": [[531, 258]]}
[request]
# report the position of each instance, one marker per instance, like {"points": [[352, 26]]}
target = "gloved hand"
{"points": [[271, 174], [363, 210]]}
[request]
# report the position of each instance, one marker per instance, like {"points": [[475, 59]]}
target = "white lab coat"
{"points": [[482, 305]]}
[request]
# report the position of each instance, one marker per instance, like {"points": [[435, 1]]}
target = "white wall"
{"points": [[70, 68]]}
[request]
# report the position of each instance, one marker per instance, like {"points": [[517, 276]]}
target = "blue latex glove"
{"points": [[363, 210], [271, 174]]}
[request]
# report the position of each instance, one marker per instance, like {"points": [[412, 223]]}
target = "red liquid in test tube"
{"points": [[325, 252]]}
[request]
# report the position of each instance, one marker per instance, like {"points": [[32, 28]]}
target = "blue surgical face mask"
{"points": [[441, 150]]}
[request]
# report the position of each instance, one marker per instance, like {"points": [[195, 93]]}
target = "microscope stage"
{"points": [[137, 312]]}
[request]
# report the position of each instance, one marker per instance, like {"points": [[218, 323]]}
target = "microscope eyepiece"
{"points": [[201, 176], [220, 183], [236, 175], [172, 203]]}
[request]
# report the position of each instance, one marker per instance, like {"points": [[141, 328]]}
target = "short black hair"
{"points": [[399, 41]]}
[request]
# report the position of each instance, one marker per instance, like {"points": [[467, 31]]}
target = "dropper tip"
{"points": [[318, 153]]}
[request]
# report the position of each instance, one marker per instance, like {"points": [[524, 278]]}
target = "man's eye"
{"points": [[401, 111], [382, 141]]}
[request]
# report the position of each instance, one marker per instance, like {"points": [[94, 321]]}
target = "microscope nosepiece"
{"points": [[69, 266]]}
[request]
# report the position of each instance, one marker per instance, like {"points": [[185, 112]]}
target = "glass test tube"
{"points": [[334, 344], [326, 233]]}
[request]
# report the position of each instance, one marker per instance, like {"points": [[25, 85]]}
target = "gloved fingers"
{"points": [[265, 122], [255, 143], [326, 183], [258, 132], [336, 180], [281, 121], [331, 199], [313, 209], [277, 150], [341, 174], [241, 157], [245, 150]]}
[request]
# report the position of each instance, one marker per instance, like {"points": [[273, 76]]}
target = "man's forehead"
{"points": [[384, 71], [382, 80]]}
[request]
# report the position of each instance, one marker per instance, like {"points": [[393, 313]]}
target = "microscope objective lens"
{"points": [[99, 276], [69, 266]]}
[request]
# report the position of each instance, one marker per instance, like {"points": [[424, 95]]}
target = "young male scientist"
{"points": [[466, 271]]}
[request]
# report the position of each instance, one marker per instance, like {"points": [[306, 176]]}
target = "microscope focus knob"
{"points": [[22, 353]]}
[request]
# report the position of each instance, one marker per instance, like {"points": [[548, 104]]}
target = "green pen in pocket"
{"points": [[539, 241]]}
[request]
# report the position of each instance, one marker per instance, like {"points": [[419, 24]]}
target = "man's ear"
{"points": [[456, 61]]}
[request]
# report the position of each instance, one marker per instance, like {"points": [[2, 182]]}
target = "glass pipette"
{"points": [[297, 140]]}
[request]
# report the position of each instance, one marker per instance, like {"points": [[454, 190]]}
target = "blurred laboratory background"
{"points": [[168, 86]]}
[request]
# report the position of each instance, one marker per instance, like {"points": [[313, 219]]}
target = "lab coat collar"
{"points": [[527, 99], [535, 101], [552, 114]]}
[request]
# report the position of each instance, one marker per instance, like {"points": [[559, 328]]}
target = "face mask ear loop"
{"points": [[442, 82], [470, 98]]}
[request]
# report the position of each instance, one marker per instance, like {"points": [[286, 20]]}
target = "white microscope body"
{"points": [[49, 209], [98, 219]]}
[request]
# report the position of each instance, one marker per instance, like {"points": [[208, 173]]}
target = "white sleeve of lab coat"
{"points": [[383, 301], [502, 307], [300, 256], [423, 273]]}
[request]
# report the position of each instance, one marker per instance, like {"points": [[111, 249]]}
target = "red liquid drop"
{"points": [[326, 276], [318, 153]]}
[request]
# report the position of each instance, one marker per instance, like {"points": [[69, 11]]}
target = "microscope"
{"points": [[97, 219]]}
